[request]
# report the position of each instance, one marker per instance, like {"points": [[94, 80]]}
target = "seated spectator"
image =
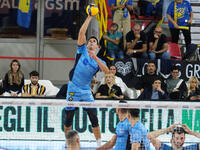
{"points": [[155, 92], [146, 80], [62, 93], [51, 90], [34, 89], [193, 92], [113, 40], [176, 87], [13, 80], [109, 89], [158, 45], [136, 42], [118, 81]]}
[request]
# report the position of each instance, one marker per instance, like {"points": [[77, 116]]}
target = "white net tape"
{"points": [[105, 103]]}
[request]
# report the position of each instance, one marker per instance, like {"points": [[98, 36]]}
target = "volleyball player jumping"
{"points": [[86, 65]]}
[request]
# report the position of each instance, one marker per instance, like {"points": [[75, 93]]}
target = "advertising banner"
{"points": [[131, 68], [46, 122]]}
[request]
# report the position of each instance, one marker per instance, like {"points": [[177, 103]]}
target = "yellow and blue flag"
{"points": [[24, 13]]}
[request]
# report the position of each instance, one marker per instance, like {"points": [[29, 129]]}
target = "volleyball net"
{"points": [[28, 122]]}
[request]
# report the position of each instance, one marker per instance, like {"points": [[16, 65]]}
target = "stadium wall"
{"points": [[49, 69]]}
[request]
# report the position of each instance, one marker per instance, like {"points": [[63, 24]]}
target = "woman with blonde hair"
{"points": [[13, 80], [109, 90], [193, 89]]}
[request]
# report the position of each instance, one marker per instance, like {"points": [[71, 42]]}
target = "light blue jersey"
{"points": [[189, 147], [122, 132], [81, 76], [138, 134], [165, 147]]}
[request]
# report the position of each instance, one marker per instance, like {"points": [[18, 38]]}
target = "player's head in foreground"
{"points": [[178, 137], [133, 113], [72, 140], [122, 112]]}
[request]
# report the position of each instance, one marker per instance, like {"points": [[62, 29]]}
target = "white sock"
{"points": [[98, 142]]}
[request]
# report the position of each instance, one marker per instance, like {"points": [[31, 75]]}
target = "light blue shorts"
{"points": [[76, 94]]}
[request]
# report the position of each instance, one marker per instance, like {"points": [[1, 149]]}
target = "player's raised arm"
{"points": [[82, 31], [102, 66]]}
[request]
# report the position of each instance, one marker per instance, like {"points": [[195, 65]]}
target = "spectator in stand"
{"points": [[129, 93], [34, 89], [136, 42], [120, 138], [193, 91], [113, 40], [176, 87], [109, 89], [138, 132], [121, 9], [184, 14], [13, 80], [146, 81], [155, 92], [158, 45], [178, 138], [72, 140]]}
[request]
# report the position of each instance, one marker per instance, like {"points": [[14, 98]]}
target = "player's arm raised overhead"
{"points": [[189, 131], [82, 31], [102, 66], [154, 134]]}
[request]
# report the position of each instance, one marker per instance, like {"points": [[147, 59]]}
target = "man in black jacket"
{"points": [[155, 92], [146, 80]]}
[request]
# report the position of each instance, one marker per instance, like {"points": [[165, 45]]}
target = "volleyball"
{"points": [[92, 10]]}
